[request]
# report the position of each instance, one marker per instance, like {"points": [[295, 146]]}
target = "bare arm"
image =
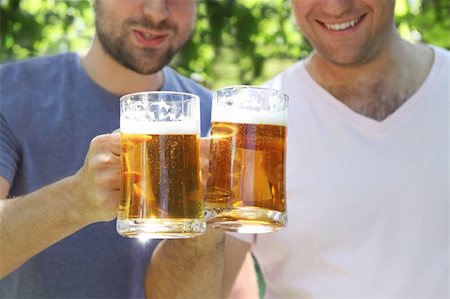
{"points": [[202, 267], [187, 268], [31, 223], [240, 280]]}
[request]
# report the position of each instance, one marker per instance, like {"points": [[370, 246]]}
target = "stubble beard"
{"points": [[347, 59], [143, 61], [355, 55], [147, 61]]}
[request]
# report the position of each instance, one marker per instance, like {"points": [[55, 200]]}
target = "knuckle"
{"points": [[100, 142], [97, 140]]}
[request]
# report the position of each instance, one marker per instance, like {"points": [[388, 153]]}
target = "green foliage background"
{"points": [[236, 41]]}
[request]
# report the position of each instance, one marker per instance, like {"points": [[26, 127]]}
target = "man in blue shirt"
{"points": [[59, 161]]}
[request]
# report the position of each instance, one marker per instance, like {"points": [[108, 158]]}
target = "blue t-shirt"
{"points": [[50, 109]]}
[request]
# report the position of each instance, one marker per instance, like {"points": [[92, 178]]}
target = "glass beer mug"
{"points": [[160, 161], [246, 181]]}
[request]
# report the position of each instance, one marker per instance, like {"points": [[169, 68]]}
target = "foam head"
{"points": [[181, 127], [251, 105]]}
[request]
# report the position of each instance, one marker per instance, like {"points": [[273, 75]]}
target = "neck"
{"points": [[378, 87], [387, 60], [114, 77]]}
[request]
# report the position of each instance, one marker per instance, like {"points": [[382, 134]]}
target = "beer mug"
{"points": [[245, 190], [160, 166]]}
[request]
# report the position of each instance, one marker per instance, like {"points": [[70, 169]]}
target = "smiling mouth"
{"points": [[148, 36], [343, 26], [148, 39]]}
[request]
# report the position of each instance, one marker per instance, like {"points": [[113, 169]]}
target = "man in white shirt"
{"points": [[367, 167]]}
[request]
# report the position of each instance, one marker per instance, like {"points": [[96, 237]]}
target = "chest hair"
{"points": [[376, 100]]}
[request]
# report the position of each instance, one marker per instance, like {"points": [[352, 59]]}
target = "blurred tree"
{"points": [[236, 41], [30, 28]]}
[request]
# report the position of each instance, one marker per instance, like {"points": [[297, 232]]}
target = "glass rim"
{"points": [[256, 87], [161, 92]]}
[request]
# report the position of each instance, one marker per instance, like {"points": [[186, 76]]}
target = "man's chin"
{"points": [[145, 68], [149, 70], [149, 65]]}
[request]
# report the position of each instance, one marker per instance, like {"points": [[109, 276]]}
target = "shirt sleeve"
{"points": [[248, 238], [9, 151]]}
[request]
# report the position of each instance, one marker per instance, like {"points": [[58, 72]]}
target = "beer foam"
{"points": [[163, 127], [236, 115]]}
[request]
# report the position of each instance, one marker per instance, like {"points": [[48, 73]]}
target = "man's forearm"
{"points": [[33, 222], [189, 268]]}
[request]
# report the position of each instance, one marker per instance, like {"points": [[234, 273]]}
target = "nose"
{"points": [[336, 7], [156, 10]]}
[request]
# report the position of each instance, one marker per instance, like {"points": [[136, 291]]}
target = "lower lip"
{"points": [[149, 43]]}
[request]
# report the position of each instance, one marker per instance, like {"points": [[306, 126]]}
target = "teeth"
{"points": [[146, 35], [342, 26]]}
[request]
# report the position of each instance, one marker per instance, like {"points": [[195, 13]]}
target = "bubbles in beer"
{"points": [[245, 187], [246, 170], [161, 190], [161, 177]]}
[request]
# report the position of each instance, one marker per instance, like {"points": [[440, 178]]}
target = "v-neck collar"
{"points": [[411, 104]]}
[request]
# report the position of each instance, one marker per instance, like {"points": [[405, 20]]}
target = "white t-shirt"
{"points": [[367, 200]]}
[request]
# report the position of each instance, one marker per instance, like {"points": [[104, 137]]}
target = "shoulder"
{"points": [[288, 77], [441, 53], [175, 81], [36, 70], [441, 63], [441, 59], [42, 63], [25, 84]]}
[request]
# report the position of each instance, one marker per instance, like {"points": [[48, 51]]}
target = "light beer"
{"points": [[161, 170], [246, 183]]}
